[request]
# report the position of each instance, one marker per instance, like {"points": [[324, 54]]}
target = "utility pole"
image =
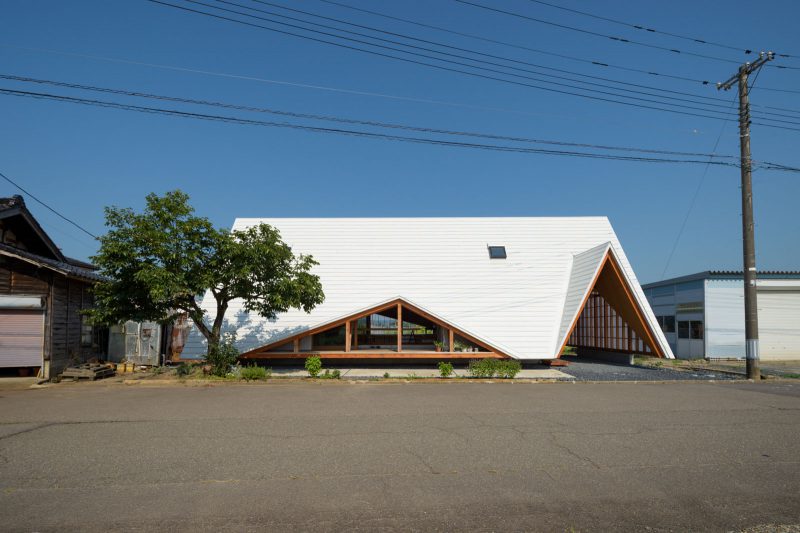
{"points": [[748, 227]]}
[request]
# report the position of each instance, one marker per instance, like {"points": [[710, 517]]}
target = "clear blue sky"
{"points": [[80, 158]]}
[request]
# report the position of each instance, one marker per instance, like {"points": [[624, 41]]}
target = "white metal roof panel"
{"points": [[442, 265], [583, 271]]}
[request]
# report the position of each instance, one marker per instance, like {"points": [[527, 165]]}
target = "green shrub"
{"points": [[254, 372], [445, 369], [221, 358], [313, 365], [183, 370], [331, 374], [483, 368], [508, 369], [386, 375]]}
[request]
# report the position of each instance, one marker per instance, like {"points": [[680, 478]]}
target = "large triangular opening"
{"points": [[611, 319], [394, 329]]}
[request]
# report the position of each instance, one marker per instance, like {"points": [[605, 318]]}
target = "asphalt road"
{"points": [[401, 456]]}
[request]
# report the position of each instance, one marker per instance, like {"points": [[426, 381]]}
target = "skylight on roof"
{"points": [[497, 252]]}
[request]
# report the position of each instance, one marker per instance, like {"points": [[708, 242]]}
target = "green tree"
{"points": [[159, 262]]}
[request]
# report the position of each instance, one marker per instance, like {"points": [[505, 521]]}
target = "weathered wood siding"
{"points": [[64, 300]]}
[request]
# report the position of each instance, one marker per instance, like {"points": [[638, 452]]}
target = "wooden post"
{"points": [[297, 346], [347, 336], [399, 327], [630, 338], [451, 341]]}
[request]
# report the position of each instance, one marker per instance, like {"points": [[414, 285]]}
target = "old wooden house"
{"points": [[42, 294]]}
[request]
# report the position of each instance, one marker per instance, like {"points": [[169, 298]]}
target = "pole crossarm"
{"points": [[749, 68]]}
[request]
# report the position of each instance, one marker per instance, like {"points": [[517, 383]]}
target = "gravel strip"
{"points": [[589, 370]]}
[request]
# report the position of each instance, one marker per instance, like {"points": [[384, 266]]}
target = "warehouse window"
{"points": [[667, 323], [697, 329], [690, 329], [497, 252]]}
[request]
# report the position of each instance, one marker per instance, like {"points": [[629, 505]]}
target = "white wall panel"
{"points": [[779, 324]]}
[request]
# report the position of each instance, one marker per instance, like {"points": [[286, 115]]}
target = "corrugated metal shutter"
{"points": [[21, 338], [779, 324]]}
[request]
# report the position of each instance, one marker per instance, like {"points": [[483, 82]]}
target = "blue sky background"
{"points": [[80, 159]]}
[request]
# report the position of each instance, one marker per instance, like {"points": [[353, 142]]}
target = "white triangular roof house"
{"points": [[564, 280]]}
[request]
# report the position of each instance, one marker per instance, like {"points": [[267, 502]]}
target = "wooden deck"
{"points": [[375, 354]]}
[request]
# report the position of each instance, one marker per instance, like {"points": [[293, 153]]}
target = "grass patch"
{"points": [[255, 373], [489, 368], [183, 370]]}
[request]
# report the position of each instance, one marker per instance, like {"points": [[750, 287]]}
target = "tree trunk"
{"points": [[216, 328]]}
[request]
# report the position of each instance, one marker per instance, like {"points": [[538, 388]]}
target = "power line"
{"points": [[694, 198], [318, 129], [717, 101], [642, 27], [594, 33], [273, 81], [682, 106], [599, 63], [443, 67], [365, 134], [243, 77], [330, 118], [18, 186], [512, 45]]}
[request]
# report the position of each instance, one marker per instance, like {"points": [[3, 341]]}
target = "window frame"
{"points": [[87, 332]]}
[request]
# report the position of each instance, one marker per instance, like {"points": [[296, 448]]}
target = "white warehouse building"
{"points": [[702, 315]]}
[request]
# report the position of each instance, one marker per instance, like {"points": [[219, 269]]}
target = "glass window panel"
{"points": [[683, 329], [697, 329], [497, 252]]}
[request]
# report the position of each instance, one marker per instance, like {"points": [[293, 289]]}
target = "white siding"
{"points": [[724, 319], [585, 266], [441, 264], [779, 324], [778, 318]]}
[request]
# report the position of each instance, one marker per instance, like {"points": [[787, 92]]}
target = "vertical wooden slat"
{"points": [[399, 327], [596, 323], [630, 339], [451, 340], [347, 336], [297, 346]]}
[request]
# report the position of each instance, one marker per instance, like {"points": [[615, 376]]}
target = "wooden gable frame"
{"points": [[611, 282], [399, 304]]}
